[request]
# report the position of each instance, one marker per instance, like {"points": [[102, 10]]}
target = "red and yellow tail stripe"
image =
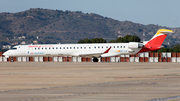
{"points": [[156, 41]]}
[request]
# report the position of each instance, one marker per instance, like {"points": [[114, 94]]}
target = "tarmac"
{"points": [[68, 81]]}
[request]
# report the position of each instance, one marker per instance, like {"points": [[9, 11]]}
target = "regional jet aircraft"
{"points": [[90, 50]]}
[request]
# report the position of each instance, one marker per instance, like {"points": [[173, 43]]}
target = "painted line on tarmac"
{"points": [[79, 85], [166, 98], [90, 93]]}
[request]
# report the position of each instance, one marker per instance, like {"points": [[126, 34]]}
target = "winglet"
{"points": [[107, 50]]}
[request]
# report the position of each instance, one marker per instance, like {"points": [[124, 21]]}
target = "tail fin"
{"points": [[156, 41]]}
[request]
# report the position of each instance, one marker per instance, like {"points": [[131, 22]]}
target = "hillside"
{"points": [[55, 26]]}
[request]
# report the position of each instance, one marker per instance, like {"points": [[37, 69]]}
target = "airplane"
{"points": [[93, 51]]}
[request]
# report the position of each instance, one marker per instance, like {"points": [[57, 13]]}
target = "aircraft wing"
{"points": [[91, 55], [94, 54]]}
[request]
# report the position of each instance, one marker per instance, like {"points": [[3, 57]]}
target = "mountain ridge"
{"points": [[54, 26]]}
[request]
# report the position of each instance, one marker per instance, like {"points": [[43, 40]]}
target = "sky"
{"points": [[158, 12]]}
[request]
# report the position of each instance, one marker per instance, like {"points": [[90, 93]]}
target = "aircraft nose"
{"points": [[6, 54]]}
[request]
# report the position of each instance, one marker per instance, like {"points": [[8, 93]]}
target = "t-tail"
{"points": [[156, 41]]}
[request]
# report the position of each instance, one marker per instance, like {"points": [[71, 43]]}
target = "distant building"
{"points": [[15, 37], [23, 37], [23, 43], [19, 37], [6, 47], [119, 34], [30, 16], [35, 42], [15, 43]]}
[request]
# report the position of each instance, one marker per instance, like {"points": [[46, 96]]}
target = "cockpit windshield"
{"points": [[14, 48]]}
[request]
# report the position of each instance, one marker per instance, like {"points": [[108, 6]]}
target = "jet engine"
{"points": [[135, 45]]}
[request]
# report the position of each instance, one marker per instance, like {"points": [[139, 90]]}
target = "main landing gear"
{"points": [[95, 59]]}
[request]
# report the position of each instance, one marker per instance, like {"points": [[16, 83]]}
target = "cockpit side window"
{"points": [[14, 48]]}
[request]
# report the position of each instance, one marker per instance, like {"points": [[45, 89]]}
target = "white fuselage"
{"points": [[90, 50], [83, 50]]}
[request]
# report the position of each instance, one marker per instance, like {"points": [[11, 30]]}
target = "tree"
{"points": [[135, 38], [81, 41], [126, 39], [163, 50], [86, 40], [119, 40], [94, 40], [112, 41], [176, 48], [101, 40]]}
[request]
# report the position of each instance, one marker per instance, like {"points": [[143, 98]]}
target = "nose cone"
{"points": [[6, 54]]}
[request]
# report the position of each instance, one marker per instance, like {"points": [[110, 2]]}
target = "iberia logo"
{"points": [[117, 50]]}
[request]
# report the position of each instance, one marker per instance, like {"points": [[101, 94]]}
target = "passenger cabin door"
{"points": [[22, 50]]}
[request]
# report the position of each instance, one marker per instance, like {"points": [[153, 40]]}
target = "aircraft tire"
{"points": [[95, 59]]}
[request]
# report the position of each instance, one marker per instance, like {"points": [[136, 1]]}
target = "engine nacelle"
{"points": [[135, 45]]}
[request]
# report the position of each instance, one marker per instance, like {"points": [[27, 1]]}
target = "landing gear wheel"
{"points": [[95, 59]]}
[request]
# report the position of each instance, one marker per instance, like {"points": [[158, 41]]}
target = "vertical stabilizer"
{"points": [[156, 41]]}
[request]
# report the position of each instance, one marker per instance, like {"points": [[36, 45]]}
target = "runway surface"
{"points": [[50, 81]]}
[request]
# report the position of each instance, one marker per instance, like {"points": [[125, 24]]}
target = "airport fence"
{"points": [[143, 57]]}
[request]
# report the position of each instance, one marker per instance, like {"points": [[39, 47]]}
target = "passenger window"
{"points": [[81, 47], [63, 47], [56, 47], [74, 48], [121, 46], [67, 47], [98, 47], [89, 47], [77, 47], [49, 48], [124, 46], [84, 47], [42, 48], [45, 48], [114, 46], [53, 48], [106, 46], [117, 46], [35, 48], [59, 47], [94, 47], [102, 46]]}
